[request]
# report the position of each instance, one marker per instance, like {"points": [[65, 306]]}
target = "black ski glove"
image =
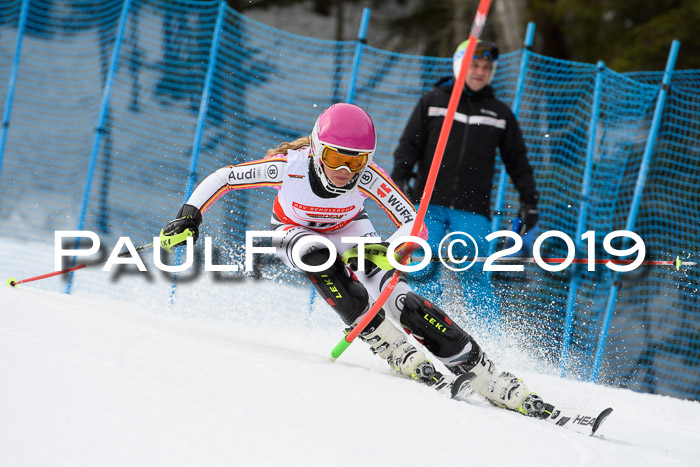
{"points": [[528, 216], [403, 186], [186, 224]]}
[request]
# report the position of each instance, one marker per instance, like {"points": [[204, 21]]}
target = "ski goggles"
{"points": [[353, 161], [486, 50]]}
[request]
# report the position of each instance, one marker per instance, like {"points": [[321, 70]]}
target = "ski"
{"points": [[585, 422], [576, 420]]}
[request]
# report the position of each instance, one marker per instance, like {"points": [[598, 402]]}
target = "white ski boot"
{"points": [[392, 345], [501, 389]]}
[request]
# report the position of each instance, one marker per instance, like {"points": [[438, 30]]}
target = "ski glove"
{"points": [[375, 257], [405, 186], [178, 230], [528, 216]]}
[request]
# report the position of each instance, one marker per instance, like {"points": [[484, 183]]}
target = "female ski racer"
{"points": [[322, 182]]}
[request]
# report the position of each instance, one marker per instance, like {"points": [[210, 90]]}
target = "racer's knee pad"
{"points": [[338, 286]]}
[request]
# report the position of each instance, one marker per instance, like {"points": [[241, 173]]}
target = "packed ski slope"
{"points": [[237, 374]]}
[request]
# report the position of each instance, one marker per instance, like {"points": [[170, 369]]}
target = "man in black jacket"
{"points": [[461, 198]]}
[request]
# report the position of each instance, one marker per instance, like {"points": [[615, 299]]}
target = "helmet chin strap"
{"points": [[320, 184], [494, 65]]}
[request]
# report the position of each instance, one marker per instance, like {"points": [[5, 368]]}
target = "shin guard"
{"points": [[338, 286], [443, 337]]}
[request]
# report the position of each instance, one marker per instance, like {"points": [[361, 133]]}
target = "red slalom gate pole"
{"points": [[474, 34]]}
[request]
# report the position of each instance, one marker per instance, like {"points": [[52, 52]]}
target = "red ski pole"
{"points": [[474, 34], [14, 282], [527, 260]]}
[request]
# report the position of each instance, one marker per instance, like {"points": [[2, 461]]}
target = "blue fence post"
{"points": [[204, 104], [201, 119], [13, 78], [582, 217], [636, 198], [104, 106], [501, 193], [361, 41]]}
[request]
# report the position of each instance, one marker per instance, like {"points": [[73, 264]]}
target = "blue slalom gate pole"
{"points": [[361, 41], [636, 198], [501, 193], [104, 107], [13, 78], [581, 222], [201, 120]]}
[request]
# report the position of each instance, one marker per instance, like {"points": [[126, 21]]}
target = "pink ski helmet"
{"points": [[343, 138]]}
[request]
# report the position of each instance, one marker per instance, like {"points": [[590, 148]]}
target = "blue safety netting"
{"points": [[103, 124]]}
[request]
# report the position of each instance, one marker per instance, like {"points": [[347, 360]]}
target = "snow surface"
{"points": [[237, 374]]}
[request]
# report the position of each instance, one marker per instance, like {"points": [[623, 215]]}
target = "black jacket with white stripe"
{"points": [[466, 174]]}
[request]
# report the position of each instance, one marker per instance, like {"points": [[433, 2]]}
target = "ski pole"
{"points": [[525, 260], [14, 282], [474, 34]]}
